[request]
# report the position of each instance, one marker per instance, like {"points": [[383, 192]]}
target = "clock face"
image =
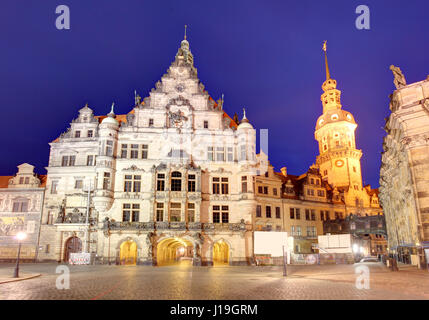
{"points": [[339, 163], [180, 88]]}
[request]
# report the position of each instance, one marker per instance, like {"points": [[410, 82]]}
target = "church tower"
{"points": [[338, 159]]}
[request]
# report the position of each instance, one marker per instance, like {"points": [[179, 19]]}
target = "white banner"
{"points": [[80, 258]]}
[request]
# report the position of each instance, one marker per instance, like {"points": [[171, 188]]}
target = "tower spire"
{"points": [[328, 75]]}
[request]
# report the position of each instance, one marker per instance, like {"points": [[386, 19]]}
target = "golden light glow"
{"points": [[128, 253]]}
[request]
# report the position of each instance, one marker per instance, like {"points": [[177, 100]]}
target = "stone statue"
{"points": [[399, 79]]}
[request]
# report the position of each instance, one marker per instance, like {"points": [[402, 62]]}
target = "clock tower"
{"points": [[338, 159]]}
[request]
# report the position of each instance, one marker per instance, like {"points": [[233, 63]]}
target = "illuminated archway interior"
{"points": [[174, 251], [220, 253], [128, 253]]}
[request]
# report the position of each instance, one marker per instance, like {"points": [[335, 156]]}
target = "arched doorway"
{"points": [[73, 245], [220, 253], [128, 253], [174, 251]]}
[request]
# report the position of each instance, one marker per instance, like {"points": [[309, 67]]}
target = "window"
{"points": [[160, 182], [159, 211], [191, 212], [225, 214], [191, 183], [27, 180], [206, 124], [289, 189], [210, 154], [176, 181], [260, 189], [310, 192], [244, 184], [150, 122], [77, 134], [258, 211], [126, 212], [278, 213], [243, 155], [20, 205], [78, 184], [216, 186], [54, 187], [311, 231], [90, 160], [224, 185], [317, 182], [307, 214], [292, 213], [311, 181], [216, 214], [50, 218], [265, 190], [338, 215], [106, 181], [298, 231], [297, 214], [313, 215], [47, 248], [90, 134], [268, 211], [135, 212], [68, 161], [21, 180], [275, 191], [134, 151], [109, 148], [124, 151], [230, 154], [321, 193], [175, 211], [132, 183], [322, 215], [220, 154], [145, 150]]}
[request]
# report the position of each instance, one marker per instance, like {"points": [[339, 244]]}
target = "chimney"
{"points": [[284, 171]]}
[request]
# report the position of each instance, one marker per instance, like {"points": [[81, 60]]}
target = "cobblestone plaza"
{"points": [[238, 283]]}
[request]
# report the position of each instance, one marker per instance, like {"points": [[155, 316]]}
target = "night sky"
{"points": [[264, 55]]}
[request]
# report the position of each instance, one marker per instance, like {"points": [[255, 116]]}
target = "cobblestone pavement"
{"points": [[206, 283]]}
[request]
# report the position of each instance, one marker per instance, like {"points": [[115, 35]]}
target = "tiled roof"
{"points": [[4, 181]]}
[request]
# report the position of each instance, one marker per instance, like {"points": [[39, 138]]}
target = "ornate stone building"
{"points": [[404, 173], [329, 193], [21, 201], [159, 184]]}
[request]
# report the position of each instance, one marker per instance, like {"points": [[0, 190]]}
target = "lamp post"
{"points": [[19, 236]]}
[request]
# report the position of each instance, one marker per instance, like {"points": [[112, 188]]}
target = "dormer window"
{"points": [[77, 134], [90, 133], [334, 117]]}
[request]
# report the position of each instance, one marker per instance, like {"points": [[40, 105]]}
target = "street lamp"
{"points": [[20, 236]]}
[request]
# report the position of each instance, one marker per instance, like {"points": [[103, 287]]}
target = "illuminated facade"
{"points": [[166, 180], [330, 192], [21, 201], [404, 173]]}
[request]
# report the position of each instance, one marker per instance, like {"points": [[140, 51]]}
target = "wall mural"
{"points": [[10, 226]]}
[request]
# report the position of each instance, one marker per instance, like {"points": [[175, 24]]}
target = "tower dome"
{"points": [[244, 123], [110, 119]]}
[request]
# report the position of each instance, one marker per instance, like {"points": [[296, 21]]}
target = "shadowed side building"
{"points": [[21, 202], [404, 173]]}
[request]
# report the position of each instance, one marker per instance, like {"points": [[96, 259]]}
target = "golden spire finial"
{"points": [[185, 30], [328, 75]]}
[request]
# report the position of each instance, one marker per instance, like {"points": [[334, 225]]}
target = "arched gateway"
{"points": [[220, 253], [72, 245], [172, 251], [128, 253]]}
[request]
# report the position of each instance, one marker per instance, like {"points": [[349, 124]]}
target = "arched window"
{"points": [[176, 181]]}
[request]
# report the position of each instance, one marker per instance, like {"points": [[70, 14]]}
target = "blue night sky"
{"points": [[264, 55]]}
